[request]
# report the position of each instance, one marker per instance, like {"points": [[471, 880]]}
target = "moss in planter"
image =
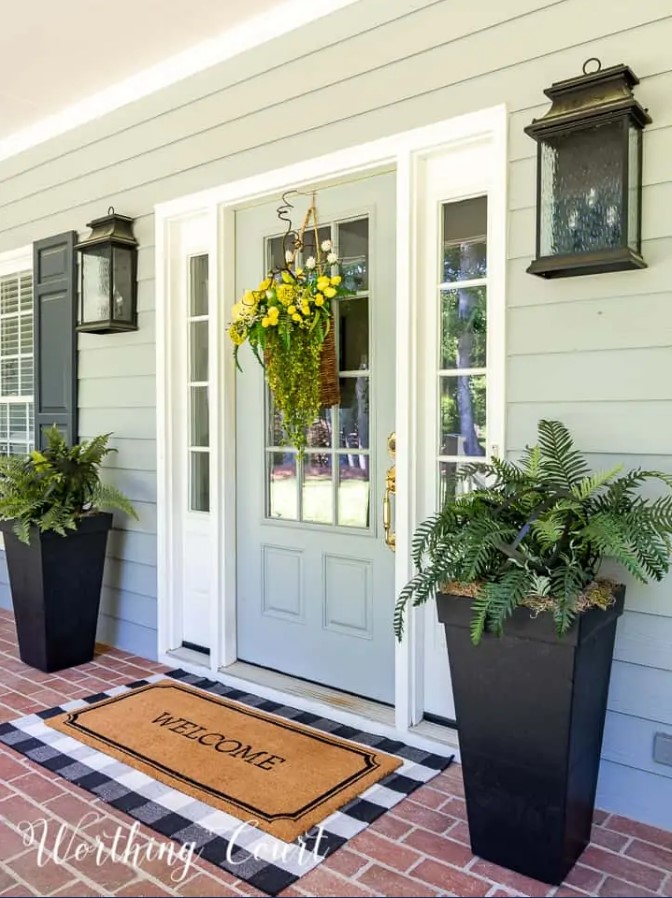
{"points": [[601, 593]]}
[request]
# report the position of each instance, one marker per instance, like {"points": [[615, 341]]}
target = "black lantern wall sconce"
{"points": [[108, 276], [589, 174]]}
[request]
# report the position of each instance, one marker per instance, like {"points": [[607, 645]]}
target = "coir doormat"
{"points": [[247, 762], [265, 861]]}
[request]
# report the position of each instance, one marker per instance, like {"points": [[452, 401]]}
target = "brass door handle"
{"points": [[390, 489]]}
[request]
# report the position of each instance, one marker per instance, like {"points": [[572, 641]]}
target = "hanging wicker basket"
{"points": [[330, 393]]}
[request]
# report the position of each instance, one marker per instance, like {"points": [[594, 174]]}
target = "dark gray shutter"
{"points": [[55, 304]]}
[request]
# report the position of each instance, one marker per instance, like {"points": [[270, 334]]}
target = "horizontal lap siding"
{"points": [[595, 352]]}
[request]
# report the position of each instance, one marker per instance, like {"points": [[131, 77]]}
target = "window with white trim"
{"points": [[16, 363], [462, 329], [198, 318]]}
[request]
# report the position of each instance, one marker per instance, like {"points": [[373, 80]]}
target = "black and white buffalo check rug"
{"points": [[262, 860]]}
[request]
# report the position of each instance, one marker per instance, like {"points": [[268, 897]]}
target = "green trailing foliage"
{"points": [[54, 488], [537, 531]]}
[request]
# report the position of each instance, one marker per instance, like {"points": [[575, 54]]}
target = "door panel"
{"points": [[315, 581]]}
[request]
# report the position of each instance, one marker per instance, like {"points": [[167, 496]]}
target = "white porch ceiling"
{"points": [[56, 56]]}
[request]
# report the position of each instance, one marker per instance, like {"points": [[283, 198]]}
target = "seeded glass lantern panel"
{"points": [[589, 177], [108, 281]]}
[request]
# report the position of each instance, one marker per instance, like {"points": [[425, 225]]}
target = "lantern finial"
{"points": [[588, 62]]}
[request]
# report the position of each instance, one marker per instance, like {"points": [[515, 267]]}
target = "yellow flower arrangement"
{"points": [[285, 321]]}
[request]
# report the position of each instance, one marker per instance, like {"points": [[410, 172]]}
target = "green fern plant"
{"points": [[54, 488], [536, 535]]}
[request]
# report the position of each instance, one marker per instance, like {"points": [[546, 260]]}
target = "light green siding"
{"points": [[593, 351]]}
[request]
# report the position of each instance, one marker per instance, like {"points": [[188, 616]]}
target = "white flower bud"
{"points": [[310, 262], [326, 246], [332, 258]]}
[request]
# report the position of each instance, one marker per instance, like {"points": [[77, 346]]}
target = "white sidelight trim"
{"points": [[406, 153], [260, 29], [449, 176], [226, 512]]}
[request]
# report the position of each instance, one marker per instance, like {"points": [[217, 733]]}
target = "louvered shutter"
{"points": [[55, 291]]}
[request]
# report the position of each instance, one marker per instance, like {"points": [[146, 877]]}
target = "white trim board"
{"points": [[215, 210], [376, 154], [260, 29], [14, 260]]}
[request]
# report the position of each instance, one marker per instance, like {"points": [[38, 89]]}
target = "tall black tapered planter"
{"points": [[55, 583], [530, 713]]}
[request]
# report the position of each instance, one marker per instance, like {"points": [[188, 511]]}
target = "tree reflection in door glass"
{"points": [[277, 435], [282, 500], [462, 416], [354, 413]]}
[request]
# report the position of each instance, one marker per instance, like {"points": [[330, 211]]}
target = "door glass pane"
{"points": [[282, 496], [353, 490], [198, 350], [309, 247], [462, 415], [200, 481], [275, 432], [319, 434], [353, 248], [199, 416], [275, 257], [198, 286], [463, 328], [317, 489], [354, 413], [465, 226], [353, 334]]}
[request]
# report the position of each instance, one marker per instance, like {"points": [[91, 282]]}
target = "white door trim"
{"points": [[401, 152]]}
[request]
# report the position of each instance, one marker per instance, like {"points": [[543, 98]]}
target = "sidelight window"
{"points": [[462, 345], [197, 384]]}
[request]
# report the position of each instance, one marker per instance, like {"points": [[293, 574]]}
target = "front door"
{"points": [[315, 579]]}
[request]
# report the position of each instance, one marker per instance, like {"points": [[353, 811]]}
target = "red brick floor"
{"points": [[421, 847]]}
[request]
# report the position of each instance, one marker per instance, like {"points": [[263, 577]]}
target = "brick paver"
{"points": [[420, 848]]}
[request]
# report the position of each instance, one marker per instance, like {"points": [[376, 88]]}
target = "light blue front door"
{"points": [[315, 580]]}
